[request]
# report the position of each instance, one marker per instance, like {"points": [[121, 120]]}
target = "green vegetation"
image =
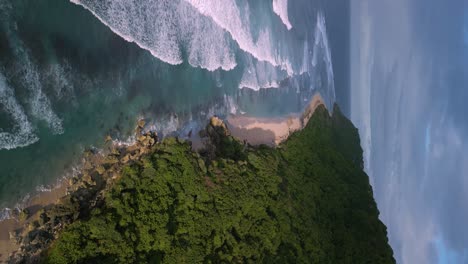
{"points": [[306, 202]]}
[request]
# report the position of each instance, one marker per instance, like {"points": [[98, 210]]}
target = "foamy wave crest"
{"points": [[5, 214], [29, 76], [166, 28], [259, 74], [8, 213], [166, 125], [131, 140], [280, 7], [207, 32], [26, 73], [322, 50], [43, 188], [128, 20], [227, 15], [231, 105], [22, 132]]}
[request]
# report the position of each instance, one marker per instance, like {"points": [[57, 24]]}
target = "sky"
{"points": [[409, 100]]}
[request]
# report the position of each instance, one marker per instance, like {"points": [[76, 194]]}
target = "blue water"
{"points": [[73, 72]]}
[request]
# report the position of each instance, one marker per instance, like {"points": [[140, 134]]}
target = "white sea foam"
{"points": [[166, 28], [43, 188], [128, 21], [202, 29], [230, 104], [21, 134], [253, 84], [280, 7], [260, 75], [165, 125], [228, 16], [129, 141], [28, 73], [40, 104], [5, 213]]}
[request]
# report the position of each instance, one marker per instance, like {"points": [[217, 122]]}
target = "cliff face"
{"points": [[306, 201]]}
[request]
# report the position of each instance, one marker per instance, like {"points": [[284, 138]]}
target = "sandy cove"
{"points": [[270, 131]]}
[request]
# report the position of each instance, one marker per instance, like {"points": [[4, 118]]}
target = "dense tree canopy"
{"points": [[307, 201]]}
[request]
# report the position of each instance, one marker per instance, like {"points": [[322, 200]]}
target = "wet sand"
{"points": [[8, 227], [270, 131]]}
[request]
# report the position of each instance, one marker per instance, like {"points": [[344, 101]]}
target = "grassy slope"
{"points": [[306, 202]]}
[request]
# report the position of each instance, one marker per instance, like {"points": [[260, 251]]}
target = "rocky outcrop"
{"points": [[218, 142], [85, 192]]}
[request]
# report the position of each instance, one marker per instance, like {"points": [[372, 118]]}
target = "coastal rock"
{"points": [[141, 123], [125, 159], [115, 152], [132, 149], [72, 181], [148, 139], [216, 122], [141, 138], [100, 169], [218, 142], [23, 215], [135, 156], [88, 165], [109, 160], [146, 142], [86, 178]]}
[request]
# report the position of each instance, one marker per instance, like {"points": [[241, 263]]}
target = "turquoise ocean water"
{"points": [[72, 72]]}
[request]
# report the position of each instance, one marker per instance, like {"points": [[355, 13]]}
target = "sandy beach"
{"points": [[270, 131], [9, 227]]}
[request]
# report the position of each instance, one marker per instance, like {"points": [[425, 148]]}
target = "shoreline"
{"points": [[251, 130], [270, 131], [22, 214], [21, 217], [25, 215]]}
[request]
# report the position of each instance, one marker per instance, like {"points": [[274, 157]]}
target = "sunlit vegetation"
{"points": [[307, 201]]}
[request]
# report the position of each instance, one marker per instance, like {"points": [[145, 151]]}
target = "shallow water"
{"points": [[72, 73]]}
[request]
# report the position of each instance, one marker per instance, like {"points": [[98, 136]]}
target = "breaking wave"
{"points": [[203, 30], [280, 7], [40, 105], [167, 29], [21, 134], [228, 16], [259, 74], [28, 75]]}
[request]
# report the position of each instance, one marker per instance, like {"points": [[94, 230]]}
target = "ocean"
{"points": [[73, 72]]}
